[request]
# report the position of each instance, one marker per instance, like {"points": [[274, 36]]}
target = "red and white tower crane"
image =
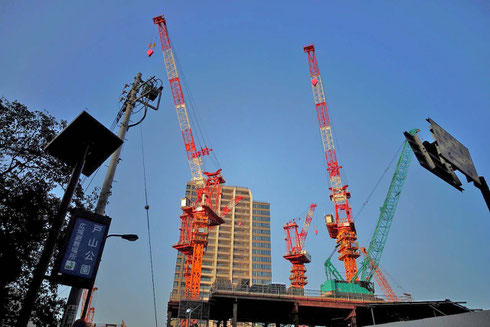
{"points": [[341, 226], [296, 254], [197, 217]]}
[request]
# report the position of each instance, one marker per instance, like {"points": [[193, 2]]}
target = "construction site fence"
{"points": [[280, 290]]}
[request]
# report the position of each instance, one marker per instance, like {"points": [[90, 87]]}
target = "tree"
{"points": [[30, 182]]}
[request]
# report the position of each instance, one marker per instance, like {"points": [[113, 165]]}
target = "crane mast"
{"points": [[341, 227]]}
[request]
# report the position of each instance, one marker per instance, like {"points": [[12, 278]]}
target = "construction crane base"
{"points": [[348, 290]]}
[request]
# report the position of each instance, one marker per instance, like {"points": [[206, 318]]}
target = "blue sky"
{"points": [[387, 66]]}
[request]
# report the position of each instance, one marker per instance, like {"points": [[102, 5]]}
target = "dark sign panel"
{"points": [[79, 259], [445, 155], [454, 152]]}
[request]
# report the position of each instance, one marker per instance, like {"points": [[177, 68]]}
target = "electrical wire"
{"points": [[147, 208], [379, 181]]}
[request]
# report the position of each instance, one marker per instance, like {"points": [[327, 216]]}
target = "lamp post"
{"points": [[128, 237]]}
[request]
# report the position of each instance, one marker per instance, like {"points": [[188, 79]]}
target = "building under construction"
{"points": [[238, 250], [223, 269]]}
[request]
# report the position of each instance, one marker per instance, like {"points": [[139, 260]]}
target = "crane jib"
{"points": [[342, 229]]}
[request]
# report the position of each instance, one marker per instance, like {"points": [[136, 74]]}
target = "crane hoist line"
{"points": [[341, 226]]}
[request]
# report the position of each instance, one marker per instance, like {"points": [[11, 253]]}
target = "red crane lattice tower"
{"points": [[341, 227], [197, 217], [296, 254], [381, 279], [89, 318]]}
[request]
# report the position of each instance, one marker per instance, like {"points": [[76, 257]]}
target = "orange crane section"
{"points": [[296, 254], [381, 279], [89, 318]]}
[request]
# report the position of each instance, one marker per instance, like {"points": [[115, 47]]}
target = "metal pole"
{"points": [[105, 192], [235, 314], [42, 266]]}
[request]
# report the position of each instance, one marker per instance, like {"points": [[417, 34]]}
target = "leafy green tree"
{"points": [[30, 182]]}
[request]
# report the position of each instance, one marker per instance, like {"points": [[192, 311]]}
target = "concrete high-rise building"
{"points": [[238, 249]]}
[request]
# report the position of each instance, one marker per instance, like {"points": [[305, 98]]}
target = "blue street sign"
{"points": [[79, 257], [83, 248]]}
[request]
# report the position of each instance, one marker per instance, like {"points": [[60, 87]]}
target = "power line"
{"points": [[147, 208]]}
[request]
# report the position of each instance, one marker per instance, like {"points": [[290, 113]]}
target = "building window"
{"points": [[261, 274], [261, 281], [266, 225], [261, 212], [261, 266], [261, 245], [261, 218], [261, 259], [264, 252], [261, 231], [261, 206], [261, 238]]}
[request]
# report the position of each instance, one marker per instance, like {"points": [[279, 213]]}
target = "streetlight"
{"points": [[189, 312], [128, 237]]}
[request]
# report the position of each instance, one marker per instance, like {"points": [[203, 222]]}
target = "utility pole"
{"points": [[71, 307]]}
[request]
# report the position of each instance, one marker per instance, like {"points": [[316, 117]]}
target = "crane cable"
{"points": [[147, 208], [202, 137], [373, 190]]}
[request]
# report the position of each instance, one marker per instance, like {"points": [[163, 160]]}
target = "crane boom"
{"points": [[306, 225], [204, 212], [387, 213], [342, 229], [193, 155]]}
